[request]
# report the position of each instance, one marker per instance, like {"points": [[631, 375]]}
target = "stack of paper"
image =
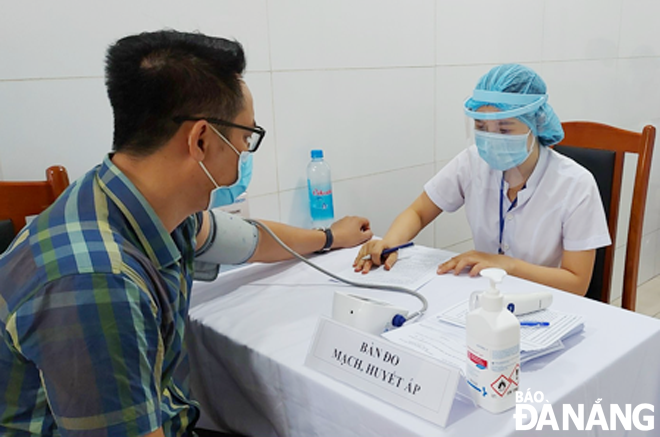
{"points": [[532, 338], [442, 336]]}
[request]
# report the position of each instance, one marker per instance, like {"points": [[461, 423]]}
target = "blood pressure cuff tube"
{"points": [[231, 240]]}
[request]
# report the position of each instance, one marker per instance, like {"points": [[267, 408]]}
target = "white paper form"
{"points": [[415, 266], [541, 337], [532, 338], [442, 341]]}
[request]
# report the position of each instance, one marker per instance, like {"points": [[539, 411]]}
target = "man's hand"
{"points": [[350, 231], [476, 261]]}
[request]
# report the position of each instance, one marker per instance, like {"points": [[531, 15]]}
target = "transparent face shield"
{"points": [[509, 148], [502, 141]]}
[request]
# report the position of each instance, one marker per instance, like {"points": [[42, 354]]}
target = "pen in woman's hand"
{"points": [[389, 250]]}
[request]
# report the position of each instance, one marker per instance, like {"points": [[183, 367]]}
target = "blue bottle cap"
{"points": [[317, 153]]}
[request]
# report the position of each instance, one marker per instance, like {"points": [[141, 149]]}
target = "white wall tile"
{"points": [[348, 34], [637, 91], [69, 39], [586, 29], [59, 130], [486, 32], [652, 212], [616, 288], [294, 207], [639, 20], [629, 168], [647, 258], [462, 247], [582, 90], [48, 122], [453, 84], [265, 207], [656, 270], [264, 175], [380, 198], [366, 121]]}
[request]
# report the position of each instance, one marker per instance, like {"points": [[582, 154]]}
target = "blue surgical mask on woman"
{"points": [[502, 151], [226, 195]]}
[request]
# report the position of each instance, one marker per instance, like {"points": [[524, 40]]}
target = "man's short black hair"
{"points": [[153, 77]]}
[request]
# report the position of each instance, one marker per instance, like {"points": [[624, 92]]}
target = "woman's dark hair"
{"points": [[153, 77]]}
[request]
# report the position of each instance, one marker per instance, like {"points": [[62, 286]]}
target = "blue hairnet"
{"points": [[515, 78]]}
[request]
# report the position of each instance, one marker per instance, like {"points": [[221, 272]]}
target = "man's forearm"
{"points": [[303, 241]]}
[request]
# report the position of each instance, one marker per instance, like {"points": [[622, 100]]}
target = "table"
{"points": [[249, 332]]}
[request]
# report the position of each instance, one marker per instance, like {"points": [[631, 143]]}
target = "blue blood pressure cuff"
{"points": [[231, 240]]}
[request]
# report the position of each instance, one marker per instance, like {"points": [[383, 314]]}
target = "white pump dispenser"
{"points": [[493, 349], [519, 303]]}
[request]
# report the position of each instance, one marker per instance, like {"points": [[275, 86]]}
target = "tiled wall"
{"points": [[378, 84]]}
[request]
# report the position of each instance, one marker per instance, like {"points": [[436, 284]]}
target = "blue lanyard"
{"points": [[513, 205]]}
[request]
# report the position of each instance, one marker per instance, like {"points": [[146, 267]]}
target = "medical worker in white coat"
{"points": [[532, 212]]}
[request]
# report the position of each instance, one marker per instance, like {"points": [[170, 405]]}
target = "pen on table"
{"points": [[534, 323], [389, 250]]}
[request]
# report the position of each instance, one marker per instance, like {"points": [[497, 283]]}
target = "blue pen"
{"points": [[534, 323], [389, 250]]}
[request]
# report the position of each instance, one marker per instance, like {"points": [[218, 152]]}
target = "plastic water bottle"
{"points": [[319, 187]]}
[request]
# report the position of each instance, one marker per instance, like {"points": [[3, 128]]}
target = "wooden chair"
{"points": [[19, 199], [601, 149]]}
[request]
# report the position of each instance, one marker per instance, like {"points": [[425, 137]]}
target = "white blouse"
{"points": [[558, 209]]}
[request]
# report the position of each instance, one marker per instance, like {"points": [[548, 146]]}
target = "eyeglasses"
{"points": [[254, 140]]}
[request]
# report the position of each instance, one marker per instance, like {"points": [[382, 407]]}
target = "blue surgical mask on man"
{"points": [[226, 195], [502, 151]]}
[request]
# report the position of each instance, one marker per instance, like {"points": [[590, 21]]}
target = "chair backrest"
{"points": [[7, 234], [20, 199], [607, 168], [601, 164]]}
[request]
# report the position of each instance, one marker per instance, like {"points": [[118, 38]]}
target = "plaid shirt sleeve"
{"points": [[95, 339]]}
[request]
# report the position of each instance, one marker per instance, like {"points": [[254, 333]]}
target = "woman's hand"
{"points": [[374, 249], [476, 262]]}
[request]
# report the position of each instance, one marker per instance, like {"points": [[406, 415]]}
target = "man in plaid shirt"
{"points": [[94, 292]]}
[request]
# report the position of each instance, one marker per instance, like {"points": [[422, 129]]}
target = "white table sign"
{"points": [[382, 369]]}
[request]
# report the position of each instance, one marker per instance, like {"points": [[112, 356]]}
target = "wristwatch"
{"points": [[329, 239]]}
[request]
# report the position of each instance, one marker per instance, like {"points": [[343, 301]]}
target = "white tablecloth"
{"points": [[250, 331]]}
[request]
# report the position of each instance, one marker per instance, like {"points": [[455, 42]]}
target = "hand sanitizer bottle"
{"points": [[493, 349]]}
